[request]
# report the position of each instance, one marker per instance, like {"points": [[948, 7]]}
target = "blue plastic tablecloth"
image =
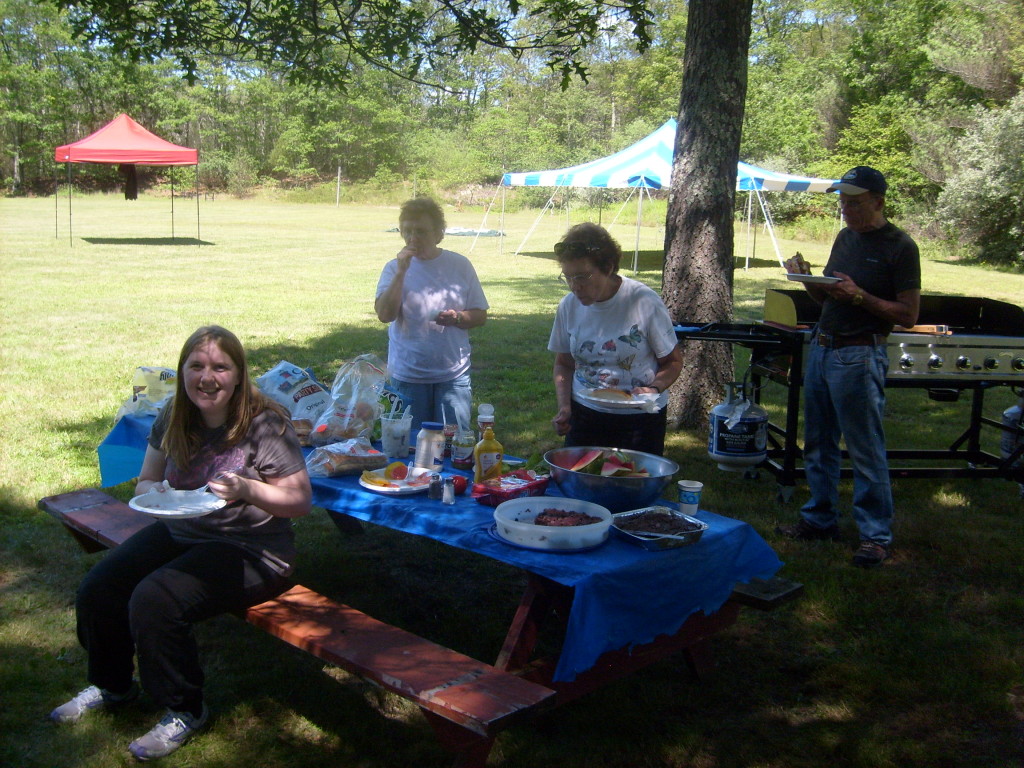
{"points": [[624, 595], [123, 449]]}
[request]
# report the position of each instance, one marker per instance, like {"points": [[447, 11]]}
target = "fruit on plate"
{"points": [[608, 464], [396, 470], [376, 478], [611, 393]]}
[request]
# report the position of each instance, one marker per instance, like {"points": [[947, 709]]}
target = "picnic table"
{"points": [[620, 607]]}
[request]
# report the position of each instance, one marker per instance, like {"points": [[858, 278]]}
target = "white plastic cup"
{"points": [[689, 496], [394, 435]]}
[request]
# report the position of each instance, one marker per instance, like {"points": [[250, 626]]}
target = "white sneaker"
{"points": [[92, 698], [171, 732]]}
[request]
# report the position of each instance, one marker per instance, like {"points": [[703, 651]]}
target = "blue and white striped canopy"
{"points": [[648, 163]]}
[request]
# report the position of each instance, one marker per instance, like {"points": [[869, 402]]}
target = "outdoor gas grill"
{"points": [[961, 344]]}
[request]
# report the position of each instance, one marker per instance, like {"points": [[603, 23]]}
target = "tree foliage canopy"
{"points": [[453, 93], [327, 41]]}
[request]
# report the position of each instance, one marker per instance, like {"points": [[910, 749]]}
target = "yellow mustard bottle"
{"points": [[487, 457]]}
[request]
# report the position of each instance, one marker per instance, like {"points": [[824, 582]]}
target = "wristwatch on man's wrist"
{"points": [[858, 299]]}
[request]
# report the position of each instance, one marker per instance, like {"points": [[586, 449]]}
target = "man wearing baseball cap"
{"points": [[878, 285]]}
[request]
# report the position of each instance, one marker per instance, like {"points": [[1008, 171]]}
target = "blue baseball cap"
{"points": [[859, 180]]}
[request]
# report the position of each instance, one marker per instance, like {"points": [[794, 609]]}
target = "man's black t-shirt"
{"points": [[882, 262]]}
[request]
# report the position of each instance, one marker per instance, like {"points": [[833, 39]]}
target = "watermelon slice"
{"points": [[613, 468], [584, 462]]}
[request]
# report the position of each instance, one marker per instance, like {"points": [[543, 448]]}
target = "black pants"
{"points": [[144, 597], [633, 431]]}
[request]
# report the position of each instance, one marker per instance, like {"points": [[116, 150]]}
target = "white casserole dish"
{"points": [[514, 522]]}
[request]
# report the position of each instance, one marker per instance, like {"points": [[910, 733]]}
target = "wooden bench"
{"points": [[467, 702]]}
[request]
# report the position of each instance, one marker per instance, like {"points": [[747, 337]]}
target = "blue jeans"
{"points": [[844, 392], [426, 401]]}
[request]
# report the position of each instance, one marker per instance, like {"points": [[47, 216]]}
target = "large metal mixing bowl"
{"points": [[617, 494]]}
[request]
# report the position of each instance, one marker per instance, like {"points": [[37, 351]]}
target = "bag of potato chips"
{"points": [[295, 389]]}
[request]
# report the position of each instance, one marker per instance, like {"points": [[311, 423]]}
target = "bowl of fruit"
{"points": [[616, 478]]}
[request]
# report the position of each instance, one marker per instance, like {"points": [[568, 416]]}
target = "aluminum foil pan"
{"points": [[686, 530]]}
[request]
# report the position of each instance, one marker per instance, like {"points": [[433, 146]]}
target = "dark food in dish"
{"points": [[656, 522], [562, 517]]}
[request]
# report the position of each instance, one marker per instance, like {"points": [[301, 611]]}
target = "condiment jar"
{"points": [[484, 418], [434, 490], [487, 457], [429, 446], [462, 449]]}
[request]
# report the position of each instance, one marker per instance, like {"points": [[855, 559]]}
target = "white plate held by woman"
{"points": [[177, 504], [616, 398]]}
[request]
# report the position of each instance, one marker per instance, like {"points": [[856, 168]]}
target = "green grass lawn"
{"points": [[907, 665]]}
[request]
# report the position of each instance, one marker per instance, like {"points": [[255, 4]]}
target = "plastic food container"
{"points": [[688, 531], [513, 485], [514, 523]]}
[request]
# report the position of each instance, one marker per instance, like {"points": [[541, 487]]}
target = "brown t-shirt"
{"points": [[270, 449]]}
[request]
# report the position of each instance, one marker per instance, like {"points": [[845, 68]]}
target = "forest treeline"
{"points": [[927, 91]]}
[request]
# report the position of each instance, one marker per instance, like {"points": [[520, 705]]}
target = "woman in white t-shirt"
{"points": [[615, 349], [430, 297]]}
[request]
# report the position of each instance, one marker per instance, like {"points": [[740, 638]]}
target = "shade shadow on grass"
{"points": [[146, 241]]}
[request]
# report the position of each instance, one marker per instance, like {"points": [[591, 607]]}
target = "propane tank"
{"points": [[1013, 435], [738, 435]]}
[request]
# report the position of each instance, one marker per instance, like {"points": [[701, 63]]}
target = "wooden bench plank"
{"points": [[96, 519], [476, 697], [471, 693]]}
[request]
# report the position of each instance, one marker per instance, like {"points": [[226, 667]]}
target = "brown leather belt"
{"points": [[857, 340]]}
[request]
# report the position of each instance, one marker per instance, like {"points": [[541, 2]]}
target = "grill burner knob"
{"points": [[1017, 364], [991, 363], [963, 363], [934, 362], [906, 359]]}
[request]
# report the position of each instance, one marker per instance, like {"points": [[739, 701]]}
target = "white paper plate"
{"points": [[635, 401], [813, 279], [177, 504], [400, 487]]}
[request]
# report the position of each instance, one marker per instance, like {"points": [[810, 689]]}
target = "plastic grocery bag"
{"points": [[356, 402], [350, 457], [295, 389], [152, 387]]}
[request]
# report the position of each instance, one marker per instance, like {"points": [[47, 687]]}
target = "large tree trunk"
{"points": [[698, 275]]}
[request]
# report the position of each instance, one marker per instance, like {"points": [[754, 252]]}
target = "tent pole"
{"points": [[501, 226], [639, 216], [750, 213], [632, 191], [56, 207], [535, 223], [199, 239], [70, 238], [172, 202], [487, 212], [771, 227]]}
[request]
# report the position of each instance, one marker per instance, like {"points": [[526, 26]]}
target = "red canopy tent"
{"points": [[123, 141]]}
